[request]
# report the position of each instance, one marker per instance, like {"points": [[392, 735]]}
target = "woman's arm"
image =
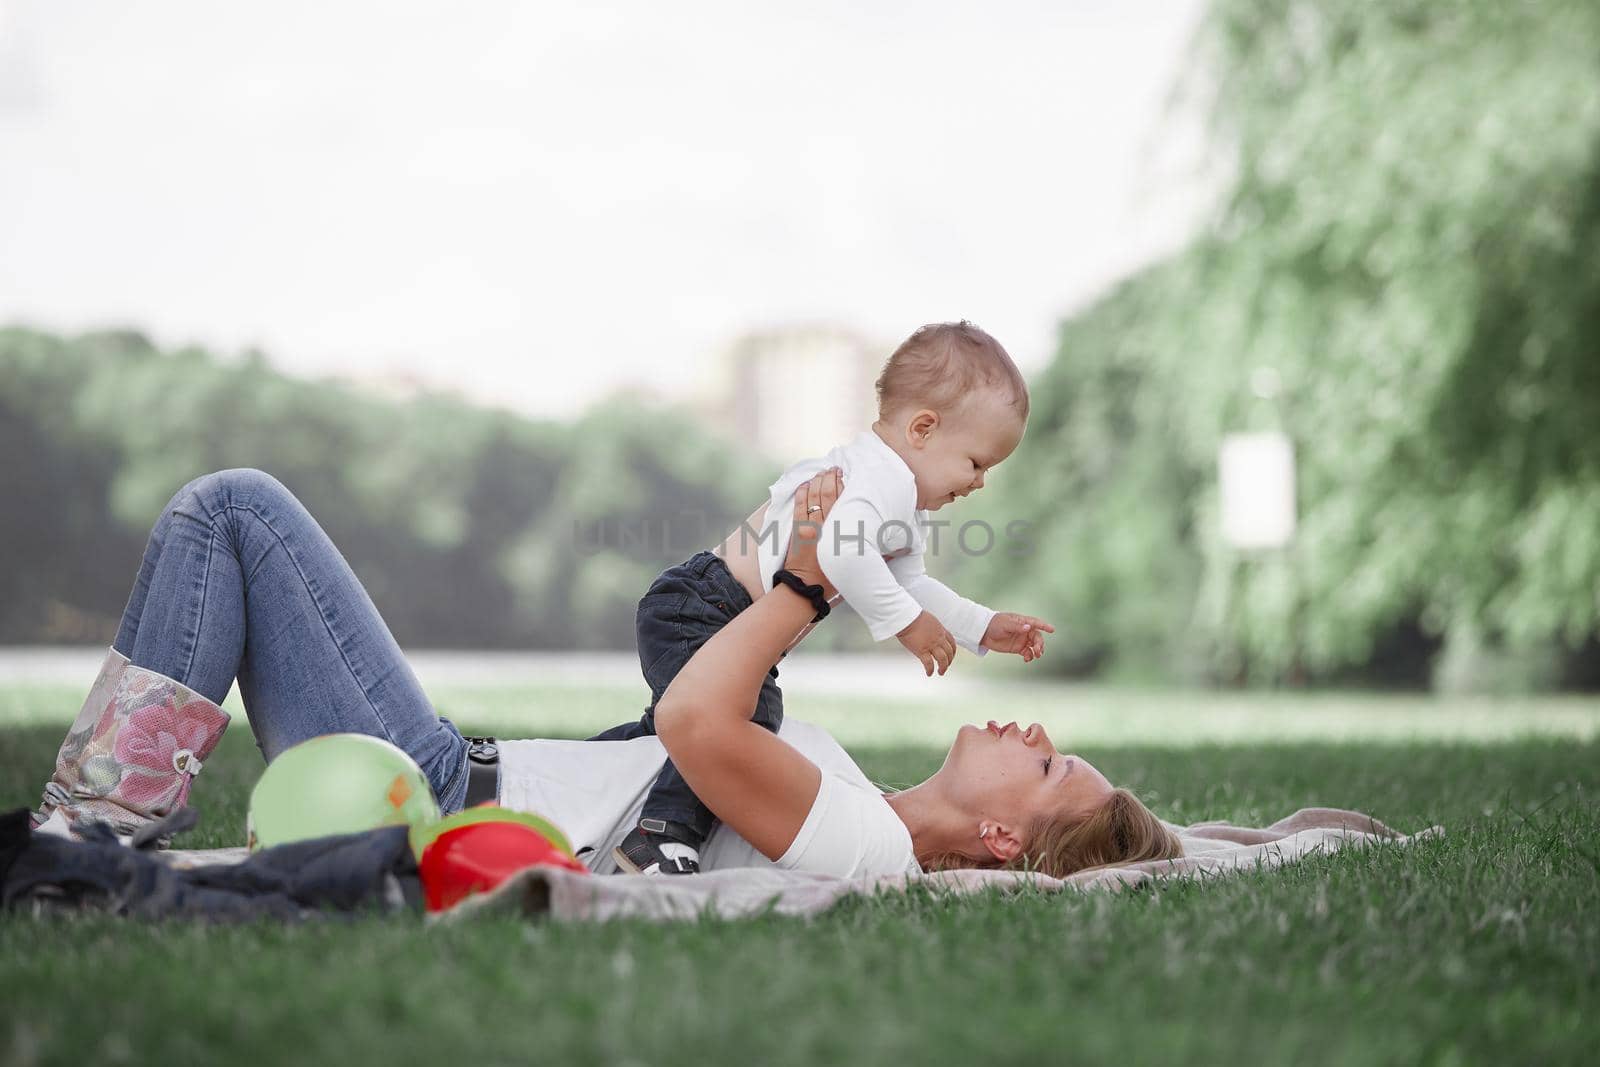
{"points": [[760, 786]]}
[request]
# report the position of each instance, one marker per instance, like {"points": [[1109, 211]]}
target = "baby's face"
{"points": [[957, 454]]}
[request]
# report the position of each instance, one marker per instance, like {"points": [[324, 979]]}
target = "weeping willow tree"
{"points": [[1408, 250]]}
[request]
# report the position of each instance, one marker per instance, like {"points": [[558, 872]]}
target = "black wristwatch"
{"points": [[812, 593]]}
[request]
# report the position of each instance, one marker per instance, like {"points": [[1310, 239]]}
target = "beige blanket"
{"points": [[1209, 849]]}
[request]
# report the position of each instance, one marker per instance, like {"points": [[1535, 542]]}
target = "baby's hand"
{"points": [[928, 640], [1019, 634]]}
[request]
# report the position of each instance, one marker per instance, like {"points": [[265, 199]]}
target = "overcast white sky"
{"points": [[538, 204]]}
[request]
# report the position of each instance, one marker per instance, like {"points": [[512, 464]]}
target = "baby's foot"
{"points": [[657, 846]]}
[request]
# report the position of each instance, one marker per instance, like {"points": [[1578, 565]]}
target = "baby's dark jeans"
{"points": [[683, 608]]}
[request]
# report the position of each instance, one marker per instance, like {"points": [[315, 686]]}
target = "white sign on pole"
{"points": [[1256, 482]]}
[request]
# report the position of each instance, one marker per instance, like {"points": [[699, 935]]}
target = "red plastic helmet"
{"points": [[478, 856]]}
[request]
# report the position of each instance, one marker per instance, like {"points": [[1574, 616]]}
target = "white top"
{"points": [[595, 790], [872, 546]]}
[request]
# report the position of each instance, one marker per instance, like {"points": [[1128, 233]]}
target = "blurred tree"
{"points": [[1407, 248], [462, 522], [63, 550], [647, 488]]}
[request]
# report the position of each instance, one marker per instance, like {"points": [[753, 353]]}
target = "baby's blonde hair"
{"points": [[943, 363]]}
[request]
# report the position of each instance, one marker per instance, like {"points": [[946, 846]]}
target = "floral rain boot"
{"points": [[131, 754]]}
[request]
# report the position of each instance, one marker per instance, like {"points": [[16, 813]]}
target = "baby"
{"points": [[951, 406]]}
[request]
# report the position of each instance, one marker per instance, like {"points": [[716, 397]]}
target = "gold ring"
{"points": [[813, 507]]}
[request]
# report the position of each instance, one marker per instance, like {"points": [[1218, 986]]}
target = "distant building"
{"points": [[798, 391]]}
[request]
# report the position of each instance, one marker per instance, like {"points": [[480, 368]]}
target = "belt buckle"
{"points": [[483, 750]]}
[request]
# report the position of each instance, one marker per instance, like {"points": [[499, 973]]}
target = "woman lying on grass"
{"points": [[239, 582]]}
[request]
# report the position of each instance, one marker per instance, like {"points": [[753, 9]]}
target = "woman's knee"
{"points": [[240, 486]]}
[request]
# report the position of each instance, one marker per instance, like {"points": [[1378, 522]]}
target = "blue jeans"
{"points": [[684, 607], [239, 581]]}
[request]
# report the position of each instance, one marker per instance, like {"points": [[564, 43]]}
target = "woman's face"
{"points": [[1016, 777]]}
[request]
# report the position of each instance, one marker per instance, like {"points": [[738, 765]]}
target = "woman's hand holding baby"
{"points": [[928, 640], [812, 502], [1022, 635]]}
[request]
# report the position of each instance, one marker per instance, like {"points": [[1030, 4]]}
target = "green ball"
{"points": [[424, 834], [337, 784]]}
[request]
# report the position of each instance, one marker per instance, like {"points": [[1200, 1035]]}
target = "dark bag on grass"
{"points": [[326, 876]]}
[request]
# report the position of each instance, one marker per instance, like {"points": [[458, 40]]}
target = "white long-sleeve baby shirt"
{"points": [[873, 543]]}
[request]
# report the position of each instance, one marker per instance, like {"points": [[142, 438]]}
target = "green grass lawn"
{"points": [[1481, 946]]}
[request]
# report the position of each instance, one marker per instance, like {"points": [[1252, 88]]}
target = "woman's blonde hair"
{"points": [[1120, 830]]}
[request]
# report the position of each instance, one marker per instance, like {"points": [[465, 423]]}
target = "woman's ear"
{"points": [[922, 424], [1002, 844]]}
